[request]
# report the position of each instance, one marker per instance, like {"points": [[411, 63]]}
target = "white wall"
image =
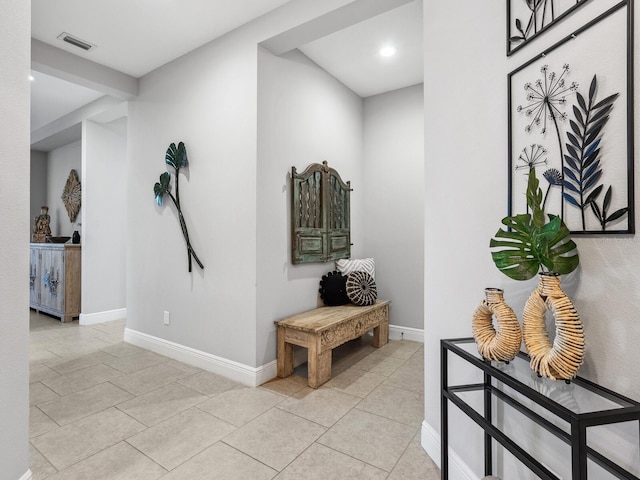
{"points": [[59, 163], [466, 190], [103, 217], [204, 99], [304, 116], [37, 185], [208, 99], [15, 30], [394, 198], [465, 184]]}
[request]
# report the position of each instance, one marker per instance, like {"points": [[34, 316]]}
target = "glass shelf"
{"points": [[578, 396], [565, 410]]}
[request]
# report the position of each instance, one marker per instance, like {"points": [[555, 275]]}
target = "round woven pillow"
{"points": [[361, 288]]}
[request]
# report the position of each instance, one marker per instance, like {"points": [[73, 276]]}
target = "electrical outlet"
{"points": [[167, 319]]}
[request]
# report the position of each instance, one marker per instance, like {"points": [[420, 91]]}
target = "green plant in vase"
{"points": [[534, 244], [531, 244]]}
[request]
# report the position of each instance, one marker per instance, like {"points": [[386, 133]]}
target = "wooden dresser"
{"points": [[54, 279]]}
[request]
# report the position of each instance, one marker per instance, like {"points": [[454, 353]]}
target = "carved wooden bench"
{"points": [[322, 329]]}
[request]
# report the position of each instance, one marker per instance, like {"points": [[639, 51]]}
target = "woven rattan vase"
{"points": [[501, 345], [561, 359]]}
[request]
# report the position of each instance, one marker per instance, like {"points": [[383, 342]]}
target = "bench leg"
{"points": [[285, 355], [381, 334], [319, 365]]}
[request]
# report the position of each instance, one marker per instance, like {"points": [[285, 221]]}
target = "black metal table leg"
{"points": [[578, 450], [444, 416], [488, 457]]}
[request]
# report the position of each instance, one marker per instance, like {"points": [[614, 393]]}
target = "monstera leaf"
{"points": [[162, 187], [176, 157], [529, 244]]}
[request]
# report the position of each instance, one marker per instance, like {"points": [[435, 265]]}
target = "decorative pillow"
{"points": [[333, 289], [361, 288], [348, 265]]}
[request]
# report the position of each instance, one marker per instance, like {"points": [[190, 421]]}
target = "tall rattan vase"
{"points": [[561, 359], [503, 344]]}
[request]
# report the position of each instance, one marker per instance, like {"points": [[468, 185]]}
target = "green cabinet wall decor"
{"points": [[320, 215]]}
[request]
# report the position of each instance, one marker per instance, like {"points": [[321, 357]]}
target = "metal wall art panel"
{"points": [[571, 118], [528, 19]]}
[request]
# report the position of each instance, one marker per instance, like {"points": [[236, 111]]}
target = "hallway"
{"points": [[104, 409]]}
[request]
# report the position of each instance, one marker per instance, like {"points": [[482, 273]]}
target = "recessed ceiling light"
{"points": [[31, 78], [388, 51]]}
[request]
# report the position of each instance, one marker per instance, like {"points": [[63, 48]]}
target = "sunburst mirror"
{"points": [[71, 195]]}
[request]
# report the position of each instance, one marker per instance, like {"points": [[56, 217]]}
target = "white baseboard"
{"points": [[251, 376], [396, 332], [430, 441], [458, 469], [101, 317], [27, 476], [244, 374]]}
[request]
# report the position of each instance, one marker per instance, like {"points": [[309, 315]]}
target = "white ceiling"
{"points": [[138, 36], [52, 98], [353, 54]]}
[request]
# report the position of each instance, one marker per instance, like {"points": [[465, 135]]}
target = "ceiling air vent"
{"points": [[76, 42]]}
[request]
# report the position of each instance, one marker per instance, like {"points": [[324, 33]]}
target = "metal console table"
{"points": [[591, 405]]}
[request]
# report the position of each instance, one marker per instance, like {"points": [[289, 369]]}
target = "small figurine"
{"points": [[41, 229]]}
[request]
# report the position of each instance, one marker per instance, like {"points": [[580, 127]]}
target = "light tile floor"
{"points": [[107, 410]]}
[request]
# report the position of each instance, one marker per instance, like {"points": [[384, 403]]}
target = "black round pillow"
{"points": [[361, 288], [333, 289]]}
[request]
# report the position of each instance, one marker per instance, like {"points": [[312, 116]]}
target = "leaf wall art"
{"points": [[176, 158], [527, 19], [571, 118]]}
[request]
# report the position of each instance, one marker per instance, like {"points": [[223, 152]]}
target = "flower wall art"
{"points": [[571, 118]]}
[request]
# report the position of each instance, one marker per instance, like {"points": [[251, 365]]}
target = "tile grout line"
{"points": [[278, 472], [45, 457], [355, 458], [145, 455]]}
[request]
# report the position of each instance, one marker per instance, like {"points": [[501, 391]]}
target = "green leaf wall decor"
{"points": [[176, 157]]}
